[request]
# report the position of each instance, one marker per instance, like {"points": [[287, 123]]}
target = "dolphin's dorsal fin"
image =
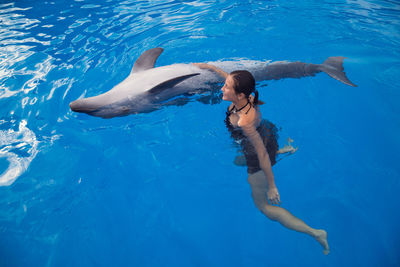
{"points": [[170, 83], [147, 59]]}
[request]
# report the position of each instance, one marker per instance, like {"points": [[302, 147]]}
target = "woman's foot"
{"points": [[287, 148], [322, 237]]}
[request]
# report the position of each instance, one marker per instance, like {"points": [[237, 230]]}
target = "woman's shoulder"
{"points": [[249, 118]]}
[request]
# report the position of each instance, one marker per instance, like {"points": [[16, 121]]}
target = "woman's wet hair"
{"points": [[245, 83]]}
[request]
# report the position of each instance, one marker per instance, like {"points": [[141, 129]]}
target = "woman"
{"points": [[258, 140]]}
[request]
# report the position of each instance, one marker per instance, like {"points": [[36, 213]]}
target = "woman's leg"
{"points": [[258, 183]]}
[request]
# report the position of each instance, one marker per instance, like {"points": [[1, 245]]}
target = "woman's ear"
{"points": [[241, 96]]}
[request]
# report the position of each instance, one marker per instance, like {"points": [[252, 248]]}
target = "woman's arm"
{"points": [[265, 164], [219, 71]]}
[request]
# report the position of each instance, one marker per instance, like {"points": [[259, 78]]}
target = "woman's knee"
{"points": [[271, 212], [264, 207]]}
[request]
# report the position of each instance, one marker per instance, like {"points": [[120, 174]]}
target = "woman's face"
{"points": [[228, 91]]}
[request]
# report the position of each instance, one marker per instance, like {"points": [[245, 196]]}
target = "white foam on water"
{"points": [[10, 143]]}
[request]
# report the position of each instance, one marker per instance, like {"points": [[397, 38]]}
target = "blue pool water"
{"points": [[161, 189]]}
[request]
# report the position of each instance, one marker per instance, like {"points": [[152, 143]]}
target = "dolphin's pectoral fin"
{"points": [[170, 83], [333, 66], [147, 59]]}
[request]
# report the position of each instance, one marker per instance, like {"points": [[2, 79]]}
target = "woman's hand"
{"points": [[273, 196], [206, 66]]}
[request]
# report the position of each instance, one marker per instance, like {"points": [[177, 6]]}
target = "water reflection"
{"points": [[19, 148]]}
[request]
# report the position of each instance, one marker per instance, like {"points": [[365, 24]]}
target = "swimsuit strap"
{"points": [[235, 110], [230, 110], [249, 107]]}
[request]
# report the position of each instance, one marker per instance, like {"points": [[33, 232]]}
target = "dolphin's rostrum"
{"points": [[147, 88]]}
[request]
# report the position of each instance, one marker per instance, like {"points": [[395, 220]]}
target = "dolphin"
{"points": [[148, 88]]}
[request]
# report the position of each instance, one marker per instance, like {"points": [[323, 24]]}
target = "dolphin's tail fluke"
{"points": [[333, 66]]}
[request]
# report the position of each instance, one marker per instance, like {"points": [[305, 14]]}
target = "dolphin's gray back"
{"points": [[209, 79], [267, 70], [261, 70], [256, 67]]}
